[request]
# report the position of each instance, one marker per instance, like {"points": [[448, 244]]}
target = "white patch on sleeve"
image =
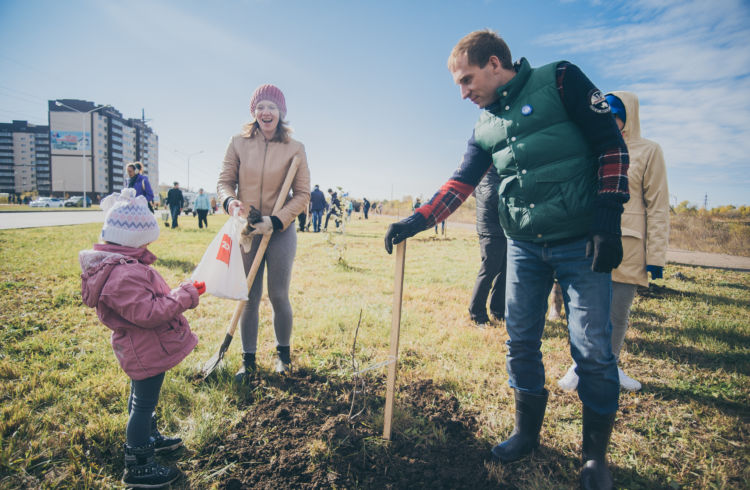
{"points": [[597, 102]]}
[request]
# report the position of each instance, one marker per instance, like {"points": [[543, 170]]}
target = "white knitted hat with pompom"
{"points": [[127, 220]]}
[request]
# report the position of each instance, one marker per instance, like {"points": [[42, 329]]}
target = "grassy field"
{"points": [[63, 415]]}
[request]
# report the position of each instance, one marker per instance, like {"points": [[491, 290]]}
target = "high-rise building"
{"points": [[94, 144], [24, 158]]}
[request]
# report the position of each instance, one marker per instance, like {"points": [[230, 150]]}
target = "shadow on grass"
{"points": [[732, 338], [733, 362], [661, 292], [547, 467], [732, 285], [729, 407], [180, 265]]}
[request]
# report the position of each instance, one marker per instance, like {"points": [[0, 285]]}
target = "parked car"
{"points": [[189, 198], [47, 202], [77, 202]]}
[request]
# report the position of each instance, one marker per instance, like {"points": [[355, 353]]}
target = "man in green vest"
{"points": [[562, 164]]}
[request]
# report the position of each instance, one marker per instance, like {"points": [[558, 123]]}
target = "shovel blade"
{"points": [[210, 365]]}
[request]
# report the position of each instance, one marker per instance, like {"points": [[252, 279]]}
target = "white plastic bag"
{"points": [[221, 267]]}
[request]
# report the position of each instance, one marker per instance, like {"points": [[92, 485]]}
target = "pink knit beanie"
{"points": [[271, 93]]}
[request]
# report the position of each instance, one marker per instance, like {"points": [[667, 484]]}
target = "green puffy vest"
{"points": [[548, 173]]}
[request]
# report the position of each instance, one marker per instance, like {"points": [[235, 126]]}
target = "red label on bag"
{"points": [[225, 249]]}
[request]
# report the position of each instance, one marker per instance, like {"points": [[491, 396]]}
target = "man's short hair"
{"points": [[479, 46], [175, 183]]}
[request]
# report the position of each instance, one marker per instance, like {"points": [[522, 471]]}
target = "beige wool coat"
{"points": [[645, 220], [254, 170]]}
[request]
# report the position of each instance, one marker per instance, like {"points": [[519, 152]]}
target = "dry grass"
{"points": [[707, 233], [727, 233], [63, 396]]}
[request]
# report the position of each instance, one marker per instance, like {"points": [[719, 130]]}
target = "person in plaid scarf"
{"points": [[562, 163]]}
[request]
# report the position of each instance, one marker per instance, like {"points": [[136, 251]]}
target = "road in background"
{"points": [[36, 219]]}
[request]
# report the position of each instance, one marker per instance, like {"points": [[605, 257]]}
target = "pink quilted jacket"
{"points": [[149, 333]]}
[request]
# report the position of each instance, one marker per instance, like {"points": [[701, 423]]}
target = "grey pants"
{"points": [[619, 313], [490, 279], [278, 260]]}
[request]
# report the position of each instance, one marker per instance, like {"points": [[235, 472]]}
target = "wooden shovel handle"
{"points": [[398, 290], [290, 174]]}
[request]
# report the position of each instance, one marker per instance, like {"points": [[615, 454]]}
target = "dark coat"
{"points": [[317, 200], [488, 223], [175, 198]]}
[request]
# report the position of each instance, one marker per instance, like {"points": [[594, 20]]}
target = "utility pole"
{"points": [[705, 202]]}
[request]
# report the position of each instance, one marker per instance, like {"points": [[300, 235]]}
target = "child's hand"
{"points": [[200, 286]]}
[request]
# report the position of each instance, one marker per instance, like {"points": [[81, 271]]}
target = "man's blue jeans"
{"points": [[175, 212], [317, 217], [587, 296]]}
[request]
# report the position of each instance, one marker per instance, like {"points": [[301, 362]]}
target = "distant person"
{"points": [[334, 209], [202, 207], [365, 206], [562, 162], [349, 209], [254, 169], [135, 302], [176, 202], [317, 206], [417, 204], [645, 227], [139, 182], [213, 205], [302, 219], [492, 247]]}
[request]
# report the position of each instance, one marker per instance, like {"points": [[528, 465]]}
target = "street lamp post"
{"points": [[83, 135], [189, 156]]}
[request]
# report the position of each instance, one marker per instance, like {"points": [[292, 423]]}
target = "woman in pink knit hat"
{"points": [[254, 169]]}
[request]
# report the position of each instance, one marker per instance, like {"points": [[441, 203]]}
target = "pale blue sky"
{"points": [[366, 85]]}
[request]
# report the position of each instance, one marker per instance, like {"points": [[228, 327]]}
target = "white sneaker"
{"points": [[626, 382], [569, 382]]}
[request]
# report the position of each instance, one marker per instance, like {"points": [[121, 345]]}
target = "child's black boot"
{"points": [[162, 442], [142, 470], [283, 359]]}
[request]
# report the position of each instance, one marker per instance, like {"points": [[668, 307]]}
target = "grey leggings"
{"points": [[278, 259], [622, 299]]}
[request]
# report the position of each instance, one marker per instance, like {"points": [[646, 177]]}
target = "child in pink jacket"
{"points": [[149, 333]]}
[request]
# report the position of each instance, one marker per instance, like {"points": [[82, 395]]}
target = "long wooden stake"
{"points": [[398, 289]]}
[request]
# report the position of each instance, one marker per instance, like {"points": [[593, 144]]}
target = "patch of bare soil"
{"points": [[297, 434]]}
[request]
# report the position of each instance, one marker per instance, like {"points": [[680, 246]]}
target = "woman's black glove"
{"points": [[607, 251]]}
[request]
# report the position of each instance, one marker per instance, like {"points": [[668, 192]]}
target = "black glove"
{"points": [[398, 232], [657, 272], [607, 251]]}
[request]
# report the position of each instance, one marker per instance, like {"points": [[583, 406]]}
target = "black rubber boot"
{"points": [[596, 432], [525, 436], [247, 369], [161, 442], [283, 363], [142, 470]]}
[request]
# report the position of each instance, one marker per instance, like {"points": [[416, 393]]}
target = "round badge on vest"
{"points": [[526, 110]]}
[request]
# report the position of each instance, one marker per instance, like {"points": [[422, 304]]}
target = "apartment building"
{"points": [[90, 145], [24, 158]]}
